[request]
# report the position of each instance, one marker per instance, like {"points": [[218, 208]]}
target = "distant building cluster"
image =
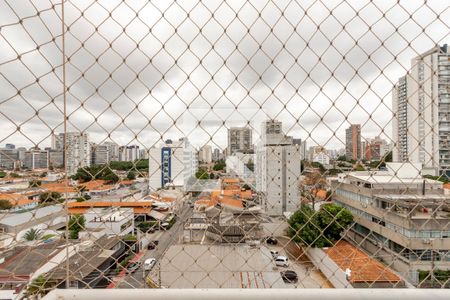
{"points": [[79, 152]]}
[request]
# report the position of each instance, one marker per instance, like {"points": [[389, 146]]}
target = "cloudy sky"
{"points": [[140, 71]]}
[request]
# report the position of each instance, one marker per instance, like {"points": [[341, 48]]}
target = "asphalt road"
{"points": [[166, 239]]}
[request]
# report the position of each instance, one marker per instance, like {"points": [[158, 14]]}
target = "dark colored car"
{"points": [[151, 246], [133, 267], [289, 276], [271, 240]]}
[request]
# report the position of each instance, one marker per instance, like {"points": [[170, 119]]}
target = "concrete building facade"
{"points": [[353, 142], [239, 140], [278, 164], [421, 106], [36, 159], [398, 216], [172, 163]]}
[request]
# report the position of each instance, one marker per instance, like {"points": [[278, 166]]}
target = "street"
{"points": [[166, 239]]}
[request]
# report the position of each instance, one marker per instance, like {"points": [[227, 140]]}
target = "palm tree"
{"points": [[32, 234], [41, 285]]}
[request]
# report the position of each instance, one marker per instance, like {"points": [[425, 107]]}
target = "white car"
{"points": [[149, 264], [282, 261]]}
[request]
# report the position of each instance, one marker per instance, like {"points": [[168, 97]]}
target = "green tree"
{"points": [[32, 235], [333, 219], [5, 204], [50, 198], [103, 172], [76, 224], [131, 175], [219, 165], [41, 285], [2, 174], [14, 175], [303, 227], [202, 173], [319, 229]]}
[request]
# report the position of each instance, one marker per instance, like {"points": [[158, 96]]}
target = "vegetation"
{"points": [[318, 165], [436, 278], [76, 224], [5, 204], [41, 285], [130, 237], [441, 178], [359, 167], [14, 175], [50, 198], [141, 165], [146, 226], [102, 172], [34, 183], [32, 235], [319, 229], [202, 173], [43, 174], [220, 165], [124, 262], [246, 187], [2, 174], [131, 175]]}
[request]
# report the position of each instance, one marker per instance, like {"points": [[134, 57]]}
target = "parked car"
{"points": [[282, 261], [274, 253], [151, 246], [289, 276], [271, 240], [133, 267], [149, 263]]}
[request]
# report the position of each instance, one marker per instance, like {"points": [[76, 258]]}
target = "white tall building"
{"points": [[78, 151], [113, 150], [99, 154], [129, 153], [319, 154], [421, 105], [278, 170], [205, 154], [173, 163]]}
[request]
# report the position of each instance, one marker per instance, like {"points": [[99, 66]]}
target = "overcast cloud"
{"points": [[140, 71]]}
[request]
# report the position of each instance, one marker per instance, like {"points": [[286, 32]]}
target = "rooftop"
{"points": [[363, 268]]}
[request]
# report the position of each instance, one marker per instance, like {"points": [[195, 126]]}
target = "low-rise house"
{"points": [[115, 221]]}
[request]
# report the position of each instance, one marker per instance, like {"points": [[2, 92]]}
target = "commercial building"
{"points": [[36, 159], [99, 154], [353, 142], [399, 217], [239, 140], [8, 158], [375, 149], [172, 163], [114, 221], [216, 155], [421, 106], [277, 170], [77, 151], [205, 154]]}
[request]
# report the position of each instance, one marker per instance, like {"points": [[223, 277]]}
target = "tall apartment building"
{"points": [[99, 154], [8, 158], [216, 155], [421, 106], [78, 150], [353, 142], [375, 149], [55, 158], [277, 170], [239, 140], [129, 153], [36, 159], [399, 217], [173, 163], [205, 154], [113, 150]]}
